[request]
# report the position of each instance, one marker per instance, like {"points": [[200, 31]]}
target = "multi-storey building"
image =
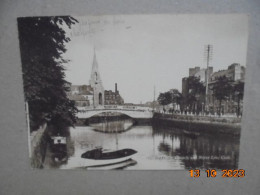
{"points": [[200, 73], [235, 73], [113, 98], [82, 95]]}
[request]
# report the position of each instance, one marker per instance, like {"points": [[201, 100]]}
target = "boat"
{"points": [[59, 144], [100, 154], [104, 159]]}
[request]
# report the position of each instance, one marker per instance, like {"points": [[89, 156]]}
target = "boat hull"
{"points": [[92, 162], [99, 154], [113, 166]]}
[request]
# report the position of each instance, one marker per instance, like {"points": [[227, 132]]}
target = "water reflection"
{"points": [[157, 147], [113, 126], [205, 151]]}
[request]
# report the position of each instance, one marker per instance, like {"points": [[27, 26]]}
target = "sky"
{"points": [[145, 52]]}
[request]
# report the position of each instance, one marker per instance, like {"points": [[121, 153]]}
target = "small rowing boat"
{"points": [[101, 158]]}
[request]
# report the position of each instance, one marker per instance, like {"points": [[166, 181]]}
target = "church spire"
{"points": [[96, 83], [94, 64], [95, 76]]}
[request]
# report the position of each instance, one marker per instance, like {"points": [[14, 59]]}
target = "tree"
{"points": [[165, 99], [42, 43], [221, 90], [176, 97], [238, 94], [196, 92]]}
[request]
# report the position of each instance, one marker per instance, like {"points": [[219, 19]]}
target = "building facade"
{"points": [[82, 95], [235, 73], [113, 98], [200, 73]]}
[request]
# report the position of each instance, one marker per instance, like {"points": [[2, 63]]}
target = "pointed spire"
{"points": [[95, 76], [94, 64], [96, 83]]}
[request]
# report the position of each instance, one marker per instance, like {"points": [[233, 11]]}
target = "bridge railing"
{"points": [[115, 107]]}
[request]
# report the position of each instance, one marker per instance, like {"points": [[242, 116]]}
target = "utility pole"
{"points": [[208, 56], [153, 97]]}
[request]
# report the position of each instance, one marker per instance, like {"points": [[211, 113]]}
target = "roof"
{"points": [[77, 98], [86, 93]]}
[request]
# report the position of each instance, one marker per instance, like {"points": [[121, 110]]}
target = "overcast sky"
{"points": [[142, 51]]}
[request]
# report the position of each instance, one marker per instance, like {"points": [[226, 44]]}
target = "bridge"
{"points": [[131, 111]]}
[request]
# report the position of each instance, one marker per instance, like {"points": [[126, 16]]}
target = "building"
{"points": [[200, 73], [82, 95], [196, 72], [235, 73], [81, 101], [80, 89], [96, 84], [185, 87], [113, 98]]}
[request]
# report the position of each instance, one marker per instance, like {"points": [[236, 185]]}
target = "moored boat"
{"points": [[58, 144], [100, 158]]}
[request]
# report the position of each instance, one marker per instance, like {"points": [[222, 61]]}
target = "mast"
{"points": [[153, 97]]}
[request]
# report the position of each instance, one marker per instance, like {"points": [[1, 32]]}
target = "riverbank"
{"points": [[38, 144], [199, 123]]}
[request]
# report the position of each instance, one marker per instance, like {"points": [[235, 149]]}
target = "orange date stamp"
{"points": [[213, 173]]}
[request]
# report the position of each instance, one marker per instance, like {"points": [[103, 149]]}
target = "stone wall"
{"points": [[199, 123]]}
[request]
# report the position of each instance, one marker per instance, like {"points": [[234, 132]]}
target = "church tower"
{"points": [[96, 83]]}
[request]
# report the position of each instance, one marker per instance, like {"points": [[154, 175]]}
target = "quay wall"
{"points": [[199, 123]]}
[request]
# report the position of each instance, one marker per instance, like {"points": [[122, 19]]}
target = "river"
{"points": [[157, 148]]}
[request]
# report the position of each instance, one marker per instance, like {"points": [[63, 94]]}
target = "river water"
{"points": [[158, 148]]}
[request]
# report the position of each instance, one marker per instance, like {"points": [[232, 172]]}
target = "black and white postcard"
{"points": [[134, 92]]}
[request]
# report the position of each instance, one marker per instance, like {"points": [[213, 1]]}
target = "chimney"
{"points": [[115, 87]]}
